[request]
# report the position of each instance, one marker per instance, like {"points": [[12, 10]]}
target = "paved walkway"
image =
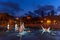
{"points": [[30, 36]]}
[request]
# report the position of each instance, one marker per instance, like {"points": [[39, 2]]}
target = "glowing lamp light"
{"points": [[41, 21], [54, 21], [28, 17], [48, 21], [17, 18]]}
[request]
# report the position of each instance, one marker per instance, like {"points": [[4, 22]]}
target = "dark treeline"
{"points": [[47, 10]]}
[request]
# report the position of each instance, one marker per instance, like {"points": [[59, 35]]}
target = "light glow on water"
{"points": [[23, 33]]}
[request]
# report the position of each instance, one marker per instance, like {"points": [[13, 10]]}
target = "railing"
{"points": [[57, 26]]}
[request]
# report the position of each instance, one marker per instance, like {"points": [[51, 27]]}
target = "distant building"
{"points": [[47, 21]]}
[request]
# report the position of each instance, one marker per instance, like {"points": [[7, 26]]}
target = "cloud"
{"points": [[14, 6]]}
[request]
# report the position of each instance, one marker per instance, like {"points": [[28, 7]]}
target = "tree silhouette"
{"points": [[44, 10]]}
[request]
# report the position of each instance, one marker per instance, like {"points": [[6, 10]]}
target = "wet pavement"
{"points": [[35, 35]]}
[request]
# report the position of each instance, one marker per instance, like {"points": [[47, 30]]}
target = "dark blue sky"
{"points": [[23, 6]]}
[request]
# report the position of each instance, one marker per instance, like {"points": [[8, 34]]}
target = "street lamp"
{"points": [[48, 21], [54, 21], [41, 21]]}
